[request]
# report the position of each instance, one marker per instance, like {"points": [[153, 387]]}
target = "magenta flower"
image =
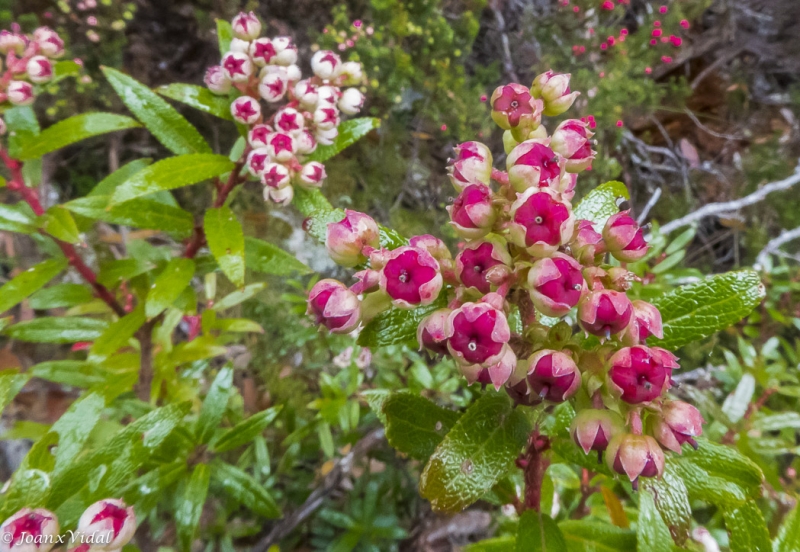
{"points": [[635, 456], [637, 374], [246, 110], [246, 26], [334, 306], [478, 333], [586, 244], [605, 312], [237, 66], [472, 213], [513, 106], [678, 423], [471, 165], [497, 374], [432, 332], [532, 164], [351, 240], [110, 521], [571, 139], [540, 222], [217, 81], [411, 277], [29, 531], [624, 238], [646, 321], [553, 375], [556, 284], [483, 263]]}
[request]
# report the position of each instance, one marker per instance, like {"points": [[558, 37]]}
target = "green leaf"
{"points": [[601, 203], [107, 186], [349, 133], [197, 349], [76, 373], [475, 454], [118, 334], [74, 129], [226, 241], [26, 283], [59, 223], [697, 310], [65, 68], [214, 405], [168, 285], [246, 490], [672, 502], [57, 329], [415, 425], [538, 532], [748, 530], [60, 296], [171, 173], [146, 491], [497, 544], [224, 36], [139, 213], [27, 488], [22, 127], [652, 532], [267, 258], [239, 296], [397, 325], [198, 97], [160, 118], [788, 539], [246, 430], [187, 516], [17, 218], [594, 536], [11, 384], [776, 422], [318, 210]]}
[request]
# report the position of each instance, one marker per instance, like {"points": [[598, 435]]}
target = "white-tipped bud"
{"points": [[285, 51], [307, 94], [246, 110], [352, 101], [40, 69], [12, 42], [293, 73], [279, 196], [273, 86], [262, 51], [326, 118], [326, 64], [246, 26], [328, 96], [110, 521], [352, 73], [217, 81], [289, 120], [50, 44], [281, 146], [275, 176], [237, 66], [257, 161], [257, 137], [20, 93], [313, 175], [326, 137], [29, 531], [305, 143], [240, 46]]}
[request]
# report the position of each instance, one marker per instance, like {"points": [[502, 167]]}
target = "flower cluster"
{"points": [[106, 525], [299, 114], [526, 254]]}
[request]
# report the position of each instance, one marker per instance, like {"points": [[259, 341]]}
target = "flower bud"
{"points": [[258, 135], [532, 164], [305, 142], [497, 374], [326, 118], [285, 51], [513, 107], [237, 66], [275, 176], [257, 161], [50, 44], [281, 146], [553, 88], [110, 522], [334, 306], [435, 247], [262, 51], [478, 334], [29, 531], [482, 263], [553, 375], [556, 284], [293, 73], [328, 96], [351, 102], [352, 73], [678, 423], [431, 332], [13, 42], [246, 110], [20, 93], [238, 45], [540, 222], [472, 214], [279, 196], [246, 26], [571, 141], [646, 321], [593, 429], [411, 277], [586, 243], [40, 69], [637, 374], [273, 86], [471, 165], [326, 137], [605, 312], [635, 456], [624, 238], [326, 64], [346, 240], [217, 81], [312, 175], [307, 94]]}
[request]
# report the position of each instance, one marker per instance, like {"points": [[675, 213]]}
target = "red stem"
{"points": [[535, 464], [501, 177]]}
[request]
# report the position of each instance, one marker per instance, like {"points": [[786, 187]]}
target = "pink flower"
{"points": [[13, 42], [676, 41], [608, 5], [257, 137], [217, 81], [20, 93], [312, 175], [237, 66], [246, 26], [350, 240], [586, 243], [262, 51], [289, 120], [513, 106], [411, 277], [50, 44], [678, 423], [326, 118], [624, 238], [351, 102], [593, 429], [478, 333], [540, 222], [637, 374], [273, 86], [334, 306], [29, 531], [275, 176], [497, 374], [305, 142], [684, 23], [307, 94], [635, 456], [257, 161], [326, 64], [472, 213], [571, 139], [471, 165], [285, 51], [281, 146], [110, 521], [605, 312], [40, 69], [436, 247], [280, 196], [432, 332], [532, 164], [483, 263], [553, 375], [556, 284], [646, 321], [553, 88]]}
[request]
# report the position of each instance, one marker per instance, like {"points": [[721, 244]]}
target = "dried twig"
{"points": [[775, 244], [649, 205], [508, 64]]}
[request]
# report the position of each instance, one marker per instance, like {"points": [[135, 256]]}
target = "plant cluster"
{"points": [[28, 63]]}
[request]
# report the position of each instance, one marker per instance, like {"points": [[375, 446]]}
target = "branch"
{"points": [[648, 206], [342, 468], [508, 64], [729, 206], [774, 245]]}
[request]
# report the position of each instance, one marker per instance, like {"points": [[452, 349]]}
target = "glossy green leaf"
{"points": [[122, 269], [58, 222], [118, 334], [593, 536], [198, 97], [168, 285], [201, 348], [318, 210], [224, 36], [149, 489], [214, 405], [238, 325], [602, 202], [11, 383], [187, 516], [26, 283], [497, 544], [22, 128], [171, 173], [239, 296], [695, 311], [160, 118], [653, 534], [396, 325], [28, 487], [246, 430], [788, 539], [74, 129], [17, 218], [539, 533], [672, 502], [747, 528], [243, 488], [350, 132], [107, 186], [55, 329], [75, 373], [267, 258], [60, 296], [226, 241], [65, 68], [414, 425], [479, 449], [139, 213]]}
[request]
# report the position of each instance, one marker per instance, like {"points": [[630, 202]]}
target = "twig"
{"points": [[648, 206], [508, 64], [774, 245], [707, 130], [534, 465], [729, 206], [342, 468]]}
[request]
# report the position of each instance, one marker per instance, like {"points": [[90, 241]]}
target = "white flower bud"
{"points": [[286, 51], [328, 96], [351, 101], [29, 531], [20, 93], [273, 86], [307, 94], [275, 176], [281, 146], [293, 73], [257, 137], [50, 44], [246, 26], [281, 196], [305, 143], [246, 110], [217, 81], [326, 137], [11, 42], [289, 120], [262, 51], [326, 64], [40, 69], [239, 45], [237, 66], [326, 118], [257, 161], [110, 522], [352, 73], [313, 174]]}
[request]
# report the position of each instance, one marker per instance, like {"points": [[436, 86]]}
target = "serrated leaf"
{"points": [[224, 36], [246, 430], [146, 491], [17, 218], [160, 118], [187, 516], [317, 210], [594, 536], [74, 129], [602, 202], [239, 296], [53, 329], [672, 502], [107, 186], [10, 384], [475, 454], [788, 539], [226, 241], [747, 528], [375, 399], [777, 422], [214, 405], [171, 173], [59, 223], [22, 127], [697, 310], [139, 213], [246, 490], [349, 133], [414, 425], [397, 325], [198, 97], [538, 532], [267, 258], [60, 296], [28, 282], [652, 532], [168, 285]]}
